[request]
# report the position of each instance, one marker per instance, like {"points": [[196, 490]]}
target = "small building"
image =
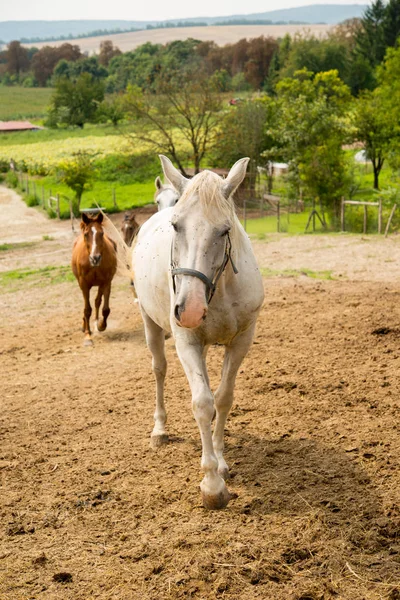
{"points": [[12, 126]]}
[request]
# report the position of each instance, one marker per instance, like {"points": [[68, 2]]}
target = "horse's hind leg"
{"points": [[234, 355], [155, 338], [102, 326]]}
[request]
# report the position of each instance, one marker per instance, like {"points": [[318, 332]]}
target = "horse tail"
{"points": [[123, 251]]}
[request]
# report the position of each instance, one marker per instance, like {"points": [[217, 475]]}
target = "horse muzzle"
{"points": [[190, 314], [95, 260]]}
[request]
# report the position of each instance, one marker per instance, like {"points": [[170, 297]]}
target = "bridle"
{"points": [[211, 284]]}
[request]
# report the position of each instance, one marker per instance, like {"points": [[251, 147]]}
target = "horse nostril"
{"points": [[178, 311]]}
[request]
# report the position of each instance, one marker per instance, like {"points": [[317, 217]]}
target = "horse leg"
{"points": [[87, 311], [102, 326], [155, 338], [97, 305], [213, 489], [234, 355]]}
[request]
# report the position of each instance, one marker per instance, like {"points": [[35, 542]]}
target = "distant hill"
{"points": [[312, 14]]}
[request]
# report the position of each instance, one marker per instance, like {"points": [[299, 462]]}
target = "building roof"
{"points": [[17, 126]]}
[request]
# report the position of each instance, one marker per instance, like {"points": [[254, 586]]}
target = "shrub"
{"points": [[12, 179], [32, 201], [128, 168]]}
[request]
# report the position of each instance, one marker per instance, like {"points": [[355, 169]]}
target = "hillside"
{"points": [[311, 14], [221, 35]]}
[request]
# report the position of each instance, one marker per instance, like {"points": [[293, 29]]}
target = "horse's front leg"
{"points": [[106, 291], [87, 311], [97, 304], [213, 489], [234, 355], [155, 338]]}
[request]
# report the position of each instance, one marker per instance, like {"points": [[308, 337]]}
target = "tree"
{"points": [[17, 58], [107, 52], [312, 126], [183, 112], [77, 174], [246, 130], [376, 128], [75, 102], [45, 60], [370, 38], [72, 69]]}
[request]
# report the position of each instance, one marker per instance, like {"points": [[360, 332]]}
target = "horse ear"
{"points": [[173, 175], [158, 183], [235, 177], [85, 218], [99, 217]]}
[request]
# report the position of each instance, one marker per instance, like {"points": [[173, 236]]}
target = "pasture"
{"points": [[90, 511], [23, 103]]}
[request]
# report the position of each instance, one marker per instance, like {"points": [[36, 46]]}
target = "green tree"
{"points": [[75, 102], [77, 174], [181, 119], [371, 43], [376, 128], [313, 125], [246, 130]]}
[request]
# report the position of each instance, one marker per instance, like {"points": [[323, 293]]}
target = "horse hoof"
{"points": [[217, 501], [156, 441], [102, 326], [88, 342]]}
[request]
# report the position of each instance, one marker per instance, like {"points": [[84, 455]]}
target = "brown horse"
{"points": [[129, 228], [94, 263]]}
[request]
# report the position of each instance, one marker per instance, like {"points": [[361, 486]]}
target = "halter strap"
{"points": [[210, 284]]}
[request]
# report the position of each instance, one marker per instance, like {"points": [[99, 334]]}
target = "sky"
{"points": [[136, 10]]}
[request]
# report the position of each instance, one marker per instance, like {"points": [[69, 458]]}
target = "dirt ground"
{"points": [[89, 511]]}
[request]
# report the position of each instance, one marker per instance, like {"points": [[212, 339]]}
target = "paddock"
{"points": [[90, 511]]}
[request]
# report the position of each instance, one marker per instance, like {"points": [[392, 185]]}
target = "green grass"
{"points": [[292, 223], [23, 103], [11, 281], [7, 247], [127, 196], [324, 275]]}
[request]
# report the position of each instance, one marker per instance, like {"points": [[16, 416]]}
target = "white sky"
{"points": [[137, 10]]}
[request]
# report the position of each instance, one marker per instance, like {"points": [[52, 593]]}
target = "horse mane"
{"points": [[206, 189]]}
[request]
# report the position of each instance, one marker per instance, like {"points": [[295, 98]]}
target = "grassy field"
{"points": [[23, 103]]}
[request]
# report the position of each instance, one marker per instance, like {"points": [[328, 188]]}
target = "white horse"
{"points": [[165, 196], [196, 276]]}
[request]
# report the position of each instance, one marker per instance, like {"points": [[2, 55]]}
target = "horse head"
{"points": [[93, 235], [201, 243], [165, 196], [129, 228]]}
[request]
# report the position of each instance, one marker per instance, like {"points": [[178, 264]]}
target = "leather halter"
{"points": [[210, 284]]}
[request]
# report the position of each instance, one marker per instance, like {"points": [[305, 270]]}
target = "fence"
{"points": [[49, 201]]}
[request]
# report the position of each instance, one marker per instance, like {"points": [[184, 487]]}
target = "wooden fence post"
{"points": [[244, 213], [380, 216], [278, 216], [390, 219], [365, 219], [342, 214]]}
